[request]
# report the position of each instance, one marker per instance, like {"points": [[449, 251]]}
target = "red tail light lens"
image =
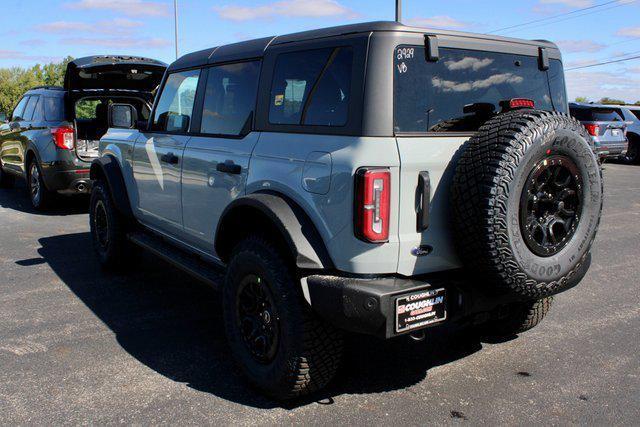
{"points": [[373, 195], [521, 103], [63, 137], [594, 130]]}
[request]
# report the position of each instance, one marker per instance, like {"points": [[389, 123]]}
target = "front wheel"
{"points": [[282, 347], [633, 153], [6, 180]]}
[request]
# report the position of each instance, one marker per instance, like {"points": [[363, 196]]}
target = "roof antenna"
{"points": [[398, 11]]}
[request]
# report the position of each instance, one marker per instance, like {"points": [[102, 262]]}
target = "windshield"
{"points": [[460, 91], [597, 114]]}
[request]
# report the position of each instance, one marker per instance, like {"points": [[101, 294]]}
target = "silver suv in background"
{"points": [[606, 125]]}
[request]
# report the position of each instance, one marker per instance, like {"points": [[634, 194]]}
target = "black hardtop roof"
{"points": [[256, 48]]}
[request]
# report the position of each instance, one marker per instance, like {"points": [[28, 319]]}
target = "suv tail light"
{"points": [[594, 130], [63, 137], [373, 196]]}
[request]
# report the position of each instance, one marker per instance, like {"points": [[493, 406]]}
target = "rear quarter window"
{"points": [[312, 87], [53, 108], [464, 88]]}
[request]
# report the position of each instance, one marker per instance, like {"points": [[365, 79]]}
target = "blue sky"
{"points": [[42, 31]]}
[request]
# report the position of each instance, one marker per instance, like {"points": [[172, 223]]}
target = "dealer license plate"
{"points": [[420, 309], [616, 132]]}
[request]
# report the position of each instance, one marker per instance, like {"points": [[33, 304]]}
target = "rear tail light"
{"points": [[63, 137], [372, 204], [594, 130]]}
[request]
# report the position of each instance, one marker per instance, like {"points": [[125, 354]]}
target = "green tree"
{"points": [[582, 99], [15, 81], [610, 101]]}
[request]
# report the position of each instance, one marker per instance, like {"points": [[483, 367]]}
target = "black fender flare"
{"points": [[289, 219], [108, 169]]}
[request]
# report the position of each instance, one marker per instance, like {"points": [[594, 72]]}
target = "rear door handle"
{"points": [[229, 167], [169, 158]]}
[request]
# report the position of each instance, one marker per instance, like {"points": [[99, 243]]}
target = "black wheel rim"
{"points": [[101, 224], [34, 184], [551, 205], [258, 320]]}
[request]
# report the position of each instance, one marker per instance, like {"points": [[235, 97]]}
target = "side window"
{"points": [[175, 106], [38, 114], [17, 112], [230, 98], [30, 108], [86, 108], [312, 87], [53, 108]]}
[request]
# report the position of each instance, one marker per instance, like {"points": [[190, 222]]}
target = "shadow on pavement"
{"points": [[173, 324], [16, 198]]}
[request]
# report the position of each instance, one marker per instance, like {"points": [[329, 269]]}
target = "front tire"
{"points": [[281, 346], [108, 229], [633, 153], [6, 180], [40, 196]]}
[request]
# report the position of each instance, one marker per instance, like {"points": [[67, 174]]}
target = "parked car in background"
{"points": [[330, 204], [53, 132], [632, 117], [606, 125]]}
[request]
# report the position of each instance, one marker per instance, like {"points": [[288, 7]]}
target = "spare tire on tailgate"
{"points": [[527, 200]]}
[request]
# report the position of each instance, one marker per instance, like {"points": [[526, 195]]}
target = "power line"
{"points": [[553, 17], [603, 63]]}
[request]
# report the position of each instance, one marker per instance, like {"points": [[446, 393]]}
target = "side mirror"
{"points": [[123, 116], [177, 123]]}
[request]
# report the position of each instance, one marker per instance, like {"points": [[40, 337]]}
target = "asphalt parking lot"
{"points": [[79, 346]]}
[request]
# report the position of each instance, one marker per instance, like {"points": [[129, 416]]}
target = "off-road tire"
{"points": [[308, 349], [491, 175], [6, 180], [36, 185], [517, 318], [115, 252]]}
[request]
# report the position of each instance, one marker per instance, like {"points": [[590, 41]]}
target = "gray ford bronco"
{"points": [[372, 178]]}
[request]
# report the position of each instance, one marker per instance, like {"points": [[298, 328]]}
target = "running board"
{"points": [[196, 267]]}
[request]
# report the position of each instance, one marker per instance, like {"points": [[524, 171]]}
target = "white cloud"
{"points": [[468, 62], [569, 3], [574, 46], [114, 26], [439, 21], [496, 79], [119, 42], [286, 8], [21, 56], [629, 32], [126, 7]]}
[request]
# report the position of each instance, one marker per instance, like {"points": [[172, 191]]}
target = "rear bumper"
{"points": [[66, 178], [611, 148], [368, 305]]}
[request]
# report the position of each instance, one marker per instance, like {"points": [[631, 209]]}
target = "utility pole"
{"points": [[398, 10], [175, 16]]}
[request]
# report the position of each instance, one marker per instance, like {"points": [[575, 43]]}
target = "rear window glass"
{"points": [[460, 91], [86, 109], [597, 114], [312, 87], [230, 98], [53, 108]]}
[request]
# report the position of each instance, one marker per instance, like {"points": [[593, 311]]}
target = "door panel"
{"points": [[214, 174], [157, 165]]}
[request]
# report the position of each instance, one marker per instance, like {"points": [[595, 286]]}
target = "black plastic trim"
{"points": [[109, 168]]}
